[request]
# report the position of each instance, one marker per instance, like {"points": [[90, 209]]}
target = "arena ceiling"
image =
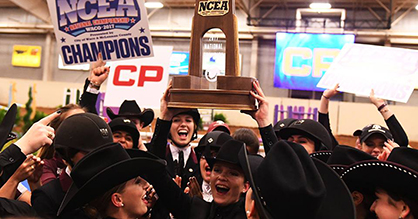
{"points": [[383, 11]]}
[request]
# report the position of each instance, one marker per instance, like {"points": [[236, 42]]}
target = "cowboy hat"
{"points": [[7, 124], [129, 108], [103, 169], [290, 184], [343, 156], [228, 153], [398, 174], [321, 155]]}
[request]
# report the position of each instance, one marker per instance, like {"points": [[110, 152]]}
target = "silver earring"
{"points": [[248, 212], [400, 217], [122, 205]]}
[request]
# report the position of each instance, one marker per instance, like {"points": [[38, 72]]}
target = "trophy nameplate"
{"points": [[232, 91]]}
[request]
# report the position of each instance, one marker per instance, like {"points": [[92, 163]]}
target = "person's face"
{"points": [[133, 197], [385, 207], [123, 138], [182, 129], [373, 145], [205, 170], [227, 182], [307, 143]]}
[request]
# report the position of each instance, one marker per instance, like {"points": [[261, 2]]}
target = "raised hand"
{"points": [[27, 168], [389, 146], [194, 188], [98, 71], [151, 196], [38, 135], [328, 93], [167, 113], [375, 100], [261, 114]]}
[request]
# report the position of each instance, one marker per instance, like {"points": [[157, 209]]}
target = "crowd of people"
{"points": [[79, 166]]}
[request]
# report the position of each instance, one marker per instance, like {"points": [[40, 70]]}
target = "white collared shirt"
{"points": [[206, 192], [175, 152], [68, 171]]}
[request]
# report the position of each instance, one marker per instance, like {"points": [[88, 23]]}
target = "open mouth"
{"points": [[207, 169], [183, 133], [222, 189]]}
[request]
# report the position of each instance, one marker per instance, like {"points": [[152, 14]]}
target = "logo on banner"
{"points": [[213, 8], [76, 17], [143, 75]]}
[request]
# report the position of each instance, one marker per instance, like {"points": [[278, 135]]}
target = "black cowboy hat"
{"points": [[83, 132], [344, 156], [398, 174], [284, 123], [7, 124], [129, 108], [124, 124], [290, 184], [228, 153], [311, 129], [321, 155], [105, 168], [211, 141]]}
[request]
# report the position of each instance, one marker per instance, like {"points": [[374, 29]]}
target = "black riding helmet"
{"points": [[211, 141], [281, 124], [312, 130]]}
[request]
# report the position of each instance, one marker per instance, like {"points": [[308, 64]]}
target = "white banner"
{"points": [[143, 80], [117, 29], [391, 72]]}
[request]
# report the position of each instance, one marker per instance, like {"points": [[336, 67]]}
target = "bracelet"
{"points": [[382, 106], [93, 85], [325, 97]]}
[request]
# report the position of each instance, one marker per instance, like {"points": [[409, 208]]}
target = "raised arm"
{"points": [[261, 117], [38, 135], [158, 142], [98, 74], [398, 133], [323, 112]]}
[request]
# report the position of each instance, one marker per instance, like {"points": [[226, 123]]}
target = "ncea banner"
{"points": [[302, 58], [83, 28]]}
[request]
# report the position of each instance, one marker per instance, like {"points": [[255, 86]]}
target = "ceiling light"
{"points": [[154, 5], [320, 6]]}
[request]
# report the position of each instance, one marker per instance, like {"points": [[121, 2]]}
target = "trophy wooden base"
{"points": [[231, 93]]}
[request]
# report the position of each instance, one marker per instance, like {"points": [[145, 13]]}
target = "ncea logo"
{"points": [[213, 8], [76, 17]]}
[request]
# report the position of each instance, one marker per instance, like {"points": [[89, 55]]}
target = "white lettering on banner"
{"points": [[143, 80], [391, 72]]}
